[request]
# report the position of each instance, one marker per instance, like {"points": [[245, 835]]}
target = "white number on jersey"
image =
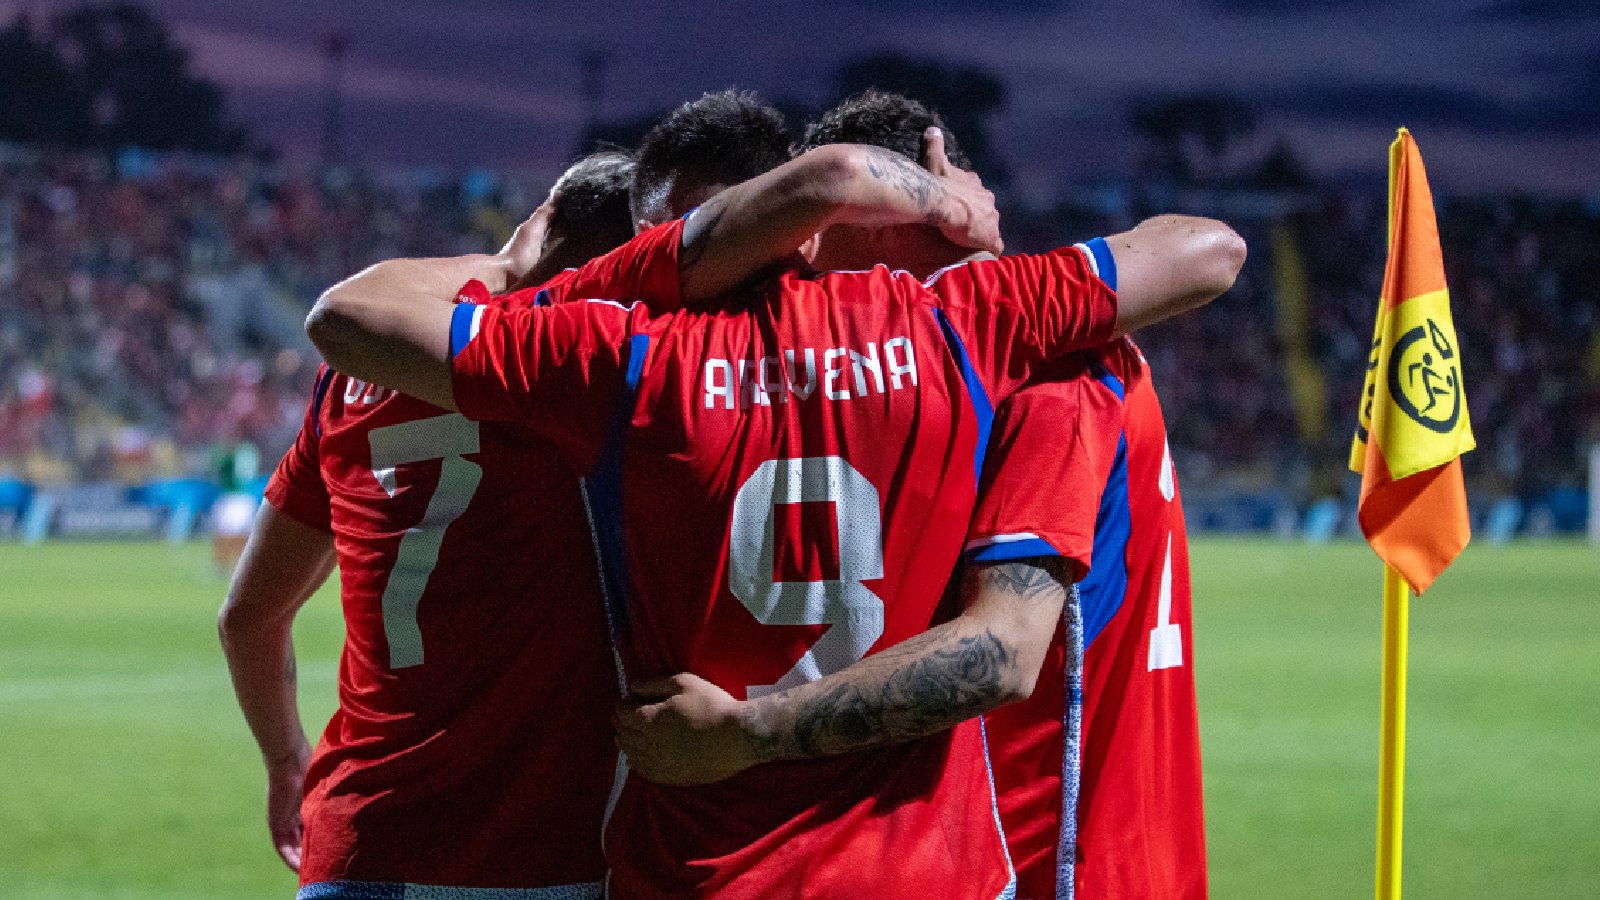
{"points": [[855, 612], [1166, 639], [448, 438]]}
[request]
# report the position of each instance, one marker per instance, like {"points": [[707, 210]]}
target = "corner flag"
{"points": [[1413, 429], [1413, 420]]}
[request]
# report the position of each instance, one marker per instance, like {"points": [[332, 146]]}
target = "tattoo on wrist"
{"points": [[911, 180]]}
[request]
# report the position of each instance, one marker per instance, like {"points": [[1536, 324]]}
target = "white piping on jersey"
{"points": [[896, 273], [625, 307], [1002, 539], [1094, 265], [940, 273], [477, 321]]}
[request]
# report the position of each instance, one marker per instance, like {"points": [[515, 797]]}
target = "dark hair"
{"points": [[723, 138], [591, 201], [882, 119]]}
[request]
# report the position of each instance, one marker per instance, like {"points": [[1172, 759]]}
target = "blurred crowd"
{"points": [[152, 306], [151, 310], [1524, 280]]}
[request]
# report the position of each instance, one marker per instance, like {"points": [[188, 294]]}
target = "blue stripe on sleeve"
{"points": [[1104, 261], [461, 327]]}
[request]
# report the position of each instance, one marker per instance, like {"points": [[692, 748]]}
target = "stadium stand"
{"points": [[151, 340]]}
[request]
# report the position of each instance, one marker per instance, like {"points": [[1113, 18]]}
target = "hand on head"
{"points": [[526, 245], [979, 227]]}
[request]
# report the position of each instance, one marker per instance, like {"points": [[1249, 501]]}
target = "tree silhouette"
{"points": [[42, 102], [108, 76], [1188, 135], [138, 83]]}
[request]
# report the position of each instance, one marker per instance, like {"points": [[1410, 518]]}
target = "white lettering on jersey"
{"points": [[719, 386], [772, 379], [804, 393], [906, 366], [830, 375], [356, 392]]}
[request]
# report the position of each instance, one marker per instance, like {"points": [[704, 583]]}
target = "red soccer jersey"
{"points": [[472, 744], [1080, 467], [780, 488]]}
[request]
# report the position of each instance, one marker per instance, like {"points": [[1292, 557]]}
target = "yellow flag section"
{"points": [[1413, 420]]}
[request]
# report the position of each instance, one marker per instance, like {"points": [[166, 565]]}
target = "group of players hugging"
{"points": [[762, 464]]}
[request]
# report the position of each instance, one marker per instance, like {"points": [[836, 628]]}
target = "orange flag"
{"points": [[1413, 421]]}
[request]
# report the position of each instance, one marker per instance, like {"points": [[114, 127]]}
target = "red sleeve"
{"points": [[296, 488], [1052, 449], [645, 268], [562, 370], [1022, 310]]}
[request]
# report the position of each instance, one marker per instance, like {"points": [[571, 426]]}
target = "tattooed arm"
{"points": [[390, 324], [986, 657], [748, 227], [283, 564]]}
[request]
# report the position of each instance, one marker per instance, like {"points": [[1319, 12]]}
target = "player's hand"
{"points": [[286, 782], [692, 734], [521, 253], [972, 220]]}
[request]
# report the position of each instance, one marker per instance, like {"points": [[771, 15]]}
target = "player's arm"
{"points": [[751, 225], [390, 323], [284, 562], [1171, 264], [986, 657]]}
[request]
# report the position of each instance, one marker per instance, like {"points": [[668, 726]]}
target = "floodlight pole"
{"points": [[1594, 495], [334, 46]]}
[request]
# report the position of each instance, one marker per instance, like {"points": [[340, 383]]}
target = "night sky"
{"points": [[1501, 94]]}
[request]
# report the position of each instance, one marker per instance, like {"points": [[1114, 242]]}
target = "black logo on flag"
{"points": [[1425, 378]]}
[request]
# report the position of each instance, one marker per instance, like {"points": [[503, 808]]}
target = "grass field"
{"points": [[128, 772]]}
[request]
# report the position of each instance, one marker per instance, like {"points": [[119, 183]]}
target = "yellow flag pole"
{"points": [[1392, 749]]}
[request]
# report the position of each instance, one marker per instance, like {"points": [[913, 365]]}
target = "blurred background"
{"points": [[178, 182]]}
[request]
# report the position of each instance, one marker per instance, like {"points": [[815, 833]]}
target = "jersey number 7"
{"points": [[448, 438], [855, 612]]}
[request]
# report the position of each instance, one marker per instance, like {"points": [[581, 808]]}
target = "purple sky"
{"points": [[1501, 94]]}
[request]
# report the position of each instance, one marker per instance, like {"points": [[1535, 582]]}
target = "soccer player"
{"points": [[1078, 470], [701, 149], [770, 469], [1115, 809], [462, 752], [469, 747]]}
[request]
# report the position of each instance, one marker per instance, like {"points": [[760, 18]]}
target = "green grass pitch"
{"points": [[128, 772]]}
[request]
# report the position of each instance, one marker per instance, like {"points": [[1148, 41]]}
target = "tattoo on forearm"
{"points": [[291, 670], [910, 179], [915, 688], [953, 683]]}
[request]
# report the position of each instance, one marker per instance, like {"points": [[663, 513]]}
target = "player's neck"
{"points": [[917, 249]]}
